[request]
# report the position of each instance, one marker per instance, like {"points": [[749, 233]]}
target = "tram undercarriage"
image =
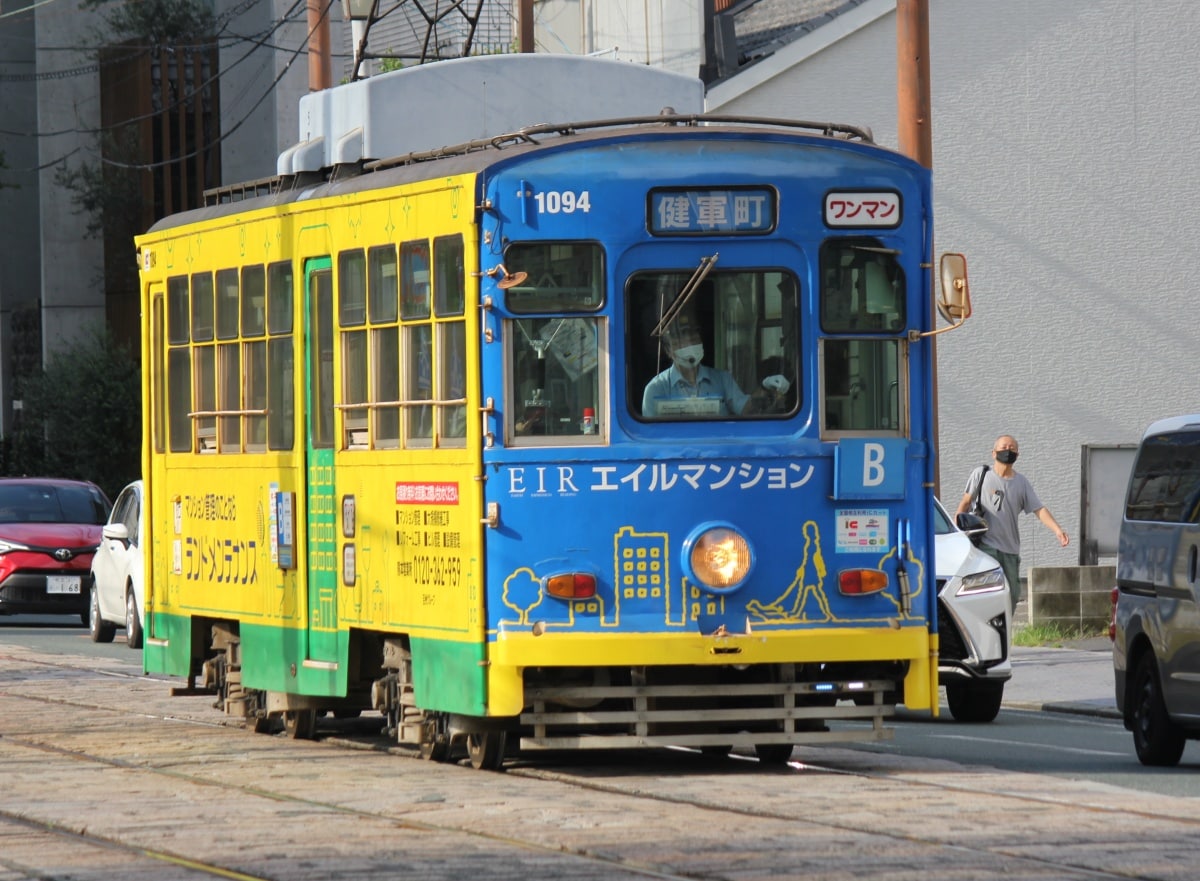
{"points": [[767, 708]]}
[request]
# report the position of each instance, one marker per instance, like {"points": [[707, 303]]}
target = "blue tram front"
{"points": [[606, 434], [707, 436]]}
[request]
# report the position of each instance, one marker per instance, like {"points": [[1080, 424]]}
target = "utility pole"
{"points": [[915, 130], [912, 80], [526, 24], [320, 76]]}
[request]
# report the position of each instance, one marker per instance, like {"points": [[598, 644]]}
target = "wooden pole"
{"points": [[914, 127], [526, 23], [320, 76], [912, 80]]}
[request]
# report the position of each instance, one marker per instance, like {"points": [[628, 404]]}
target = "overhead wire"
{"points": [[191, 94], [302, 48]]}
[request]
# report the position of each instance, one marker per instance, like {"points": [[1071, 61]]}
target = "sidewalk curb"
{"points": [[1075, 708]]}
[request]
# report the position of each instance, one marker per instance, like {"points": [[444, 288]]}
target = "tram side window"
{"points": [[254, 354], [204, 357], [179, 365], [228, 388], [723, 347], [352, 318], [158, 398], [402, 332], [555, 389], [281, 383], [862, 292], [383, 286], [229, 369], [559, 277], [862, 288], [417, 341], [449, 306]]}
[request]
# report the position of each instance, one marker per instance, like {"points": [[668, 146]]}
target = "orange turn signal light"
{"points": [[853, 582], [570, 585]]}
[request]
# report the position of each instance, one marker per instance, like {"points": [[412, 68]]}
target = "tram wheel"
{"points": [[300, 724], [773, 753], [485, 749], [435, 738]]}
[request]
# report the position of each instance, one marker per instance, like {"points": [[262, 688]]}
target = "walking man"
{"points": [[1005, 495]]}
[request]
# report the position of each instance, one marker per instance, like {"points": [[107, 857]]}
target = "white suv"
{"points": [[973, 624]]}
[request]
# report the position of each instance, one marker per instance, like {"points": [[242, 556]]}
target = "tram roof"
{"points": [[474, 156], [361, 135]]}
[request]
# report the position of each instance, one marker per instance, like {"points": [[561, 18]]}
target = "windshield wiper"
{"points": [[684, 295]]}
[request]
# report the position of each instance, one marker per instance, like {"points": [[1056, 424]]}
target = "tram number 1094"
{"points": [[563, 202]]}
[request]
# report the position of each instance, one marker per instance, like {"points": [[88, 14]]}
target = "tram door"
{"points": [[321, 561]]}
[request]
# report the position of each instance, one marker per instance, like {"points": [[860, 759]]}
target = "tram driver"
{"points": [[688, 388]]}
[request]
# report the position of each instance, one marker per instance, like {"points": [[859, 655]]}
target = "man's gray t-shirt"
{"points": [[1003, 500]]}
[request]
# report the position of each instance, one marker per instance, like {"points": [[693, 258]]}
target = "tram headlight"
{"points": [[718, 557]]}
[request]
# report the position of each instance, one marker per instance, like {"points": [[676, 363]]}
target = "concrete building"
{"points": [[65, 80]]}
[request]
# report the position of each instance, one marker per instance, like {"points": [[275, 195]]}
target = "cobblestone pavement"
{"points": [[106, 776]]}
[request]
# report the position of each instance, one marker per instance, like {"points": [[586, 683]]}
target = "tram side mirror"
{"points": [[954, 301]]}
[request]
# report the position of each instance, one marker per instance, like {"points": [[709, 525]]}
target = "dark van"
{"points": [[1156, 647]]}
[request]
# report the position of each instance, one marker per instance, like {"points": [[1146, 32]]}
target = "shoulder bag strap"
{"points": [[983, 470]]}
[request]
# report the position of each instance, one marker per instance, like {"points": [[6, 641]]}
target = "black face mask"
{"points": [[1006, 457]]}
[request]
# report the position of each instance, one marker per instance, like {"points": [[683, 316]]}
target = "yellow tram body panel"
{"points": [[513, 651], [214, 510]]}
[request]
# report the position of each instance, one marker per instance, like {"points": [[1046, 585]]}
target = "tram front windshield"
{"points": [[719, 347]]}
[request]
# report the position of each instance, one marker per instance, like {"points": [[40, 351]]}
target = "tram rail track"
{"points": [[599, 817]]}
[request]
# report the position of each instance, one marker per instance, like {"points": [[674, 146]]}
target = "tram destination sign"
{"points": [[698, 212]]}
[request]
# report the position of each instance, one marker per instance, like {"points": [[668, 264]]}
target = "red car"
{"points": [[49, 529]]}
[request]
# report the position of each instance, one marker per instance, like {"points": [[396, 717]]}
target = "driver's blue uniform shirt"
{"points": [[710, 383]]}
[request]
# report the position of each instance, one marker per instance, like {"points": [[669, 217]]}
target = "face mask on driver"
{"points": [[1006, 457], [689, 356]]}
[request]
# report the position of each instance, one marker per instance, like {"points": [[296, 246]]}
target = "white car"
{"points": [[973, 623], [117, 572]]}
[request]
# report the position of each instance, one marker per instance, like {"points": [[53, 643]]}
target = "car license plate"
{"points": [[62, 584]]}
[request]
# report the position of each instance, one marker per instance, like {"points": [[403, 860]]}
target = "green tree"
{"points": [[81, 418], [156, 22]]}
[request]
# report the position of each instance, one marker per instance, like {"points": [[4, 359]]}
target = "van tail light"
{"points": [[570, 585], [854, 582], [1112, 621]]}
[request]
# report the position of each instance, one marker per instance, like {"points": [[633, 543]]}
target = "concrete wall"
{"points": [[661, 34], [68, 112], [19, 278], [260, 93], [1072, 597], [1063, 141]]}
